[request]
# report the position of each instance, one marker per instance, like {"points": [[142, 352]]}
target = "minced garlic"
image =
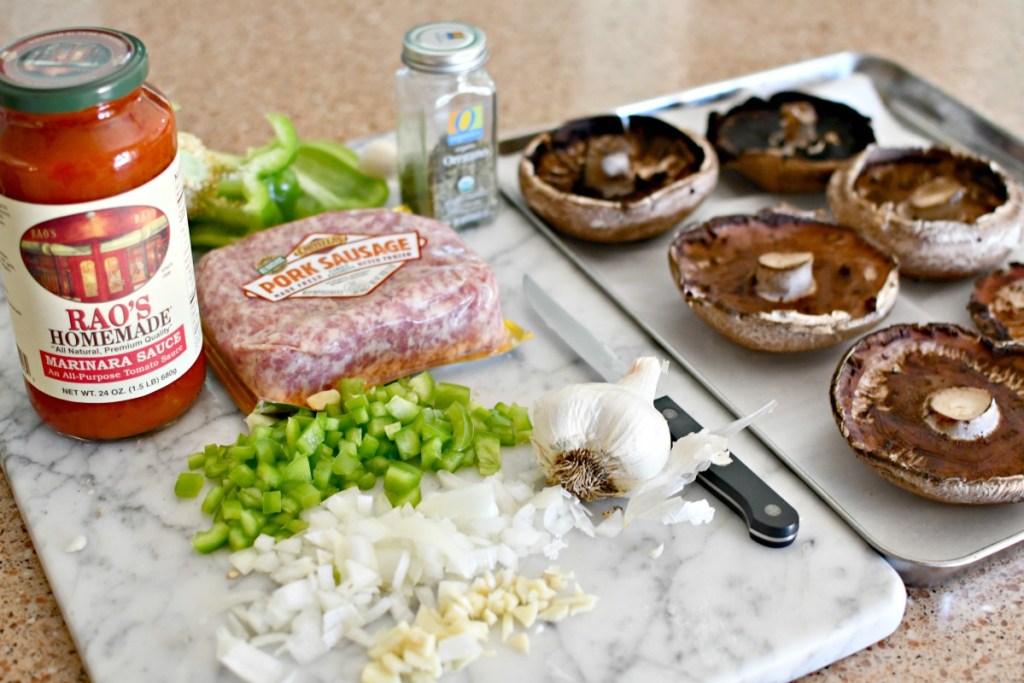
{"points": [[464, 616]]}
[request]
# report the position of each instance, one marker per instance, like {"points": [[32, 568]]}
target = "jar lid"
{"points": [[444, 47], [70, 69]]}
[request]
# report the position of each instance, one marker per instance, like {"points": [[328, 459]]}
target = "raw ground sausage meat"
{"points": [[440, 308]]}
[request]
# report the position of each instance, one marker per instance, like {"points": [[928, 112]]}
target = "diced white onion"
{"points": [[249, 663], [467, 502]]}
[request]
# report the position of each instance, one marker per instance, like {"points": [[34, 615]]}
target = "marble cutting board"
{"points": [[714, 606]]}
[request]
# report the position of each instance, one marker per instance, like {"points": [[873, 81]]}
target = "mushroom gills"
{"points": [[962, 413], [799, 121], [1008, 308], [1010, 298], [997, 303], [785, 276]]}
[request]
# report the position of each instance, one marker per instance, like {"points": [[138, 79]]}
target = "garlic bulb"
{"points": [[599, 439]]}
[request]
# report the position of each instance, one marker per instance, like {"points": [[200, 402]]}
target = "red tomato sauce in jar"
{"points": [[94, 237]]}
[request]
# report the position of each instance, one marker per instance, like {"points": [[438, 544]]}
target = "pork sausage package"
{"points": [[375, 294]]}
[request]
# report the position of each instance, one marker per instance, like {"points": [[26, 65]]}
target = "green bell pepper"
{"points": [[330, 179]]}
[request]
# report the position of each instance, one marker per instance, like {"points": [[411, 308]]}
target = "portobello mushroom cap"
{"points": [[791, 142], [997, 303], [944, 214], [937, 410], [609, 179], [782, 282]]}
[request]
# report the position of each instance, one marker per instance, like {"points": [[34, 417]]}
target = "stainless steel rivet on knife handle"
{"points": [[770, 520]]}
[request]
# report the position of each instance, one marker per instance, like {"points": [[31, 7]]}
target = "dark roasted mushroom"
{"points": [[609, 179], [997, 303], [944, 214], [791, 142], [936, 409], [782, 282]]}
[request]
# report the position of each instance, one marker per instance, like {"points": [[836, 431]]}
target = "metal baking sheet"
{"points": [[927, 542]]}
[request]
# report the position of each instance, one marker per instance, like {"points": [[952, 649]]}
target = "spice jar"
{"points": [[447, 118], [94, 241]]}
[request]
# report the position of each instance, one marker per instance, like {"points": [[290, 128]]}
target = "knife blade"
{"points": [[770, 520]]}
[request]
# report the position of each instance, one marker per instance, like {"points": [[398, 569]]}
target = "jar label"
{"points": [[463, 177], [465, 125], [102, 294]]}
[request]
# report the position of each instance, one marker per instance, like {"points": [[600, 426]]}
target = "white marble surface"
{"points": [[714, 607]]}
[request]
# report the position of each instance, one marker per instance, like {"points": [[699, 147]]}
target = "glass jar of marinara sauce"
{"points": [[94, 242]]}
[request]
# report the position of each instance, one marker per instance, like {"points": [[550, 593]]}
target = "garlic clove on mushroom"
{"points": [[602, 440]]}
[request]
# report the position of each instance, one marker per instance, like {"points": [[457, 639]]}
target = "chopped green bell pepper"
{"points": [[261, 483]]}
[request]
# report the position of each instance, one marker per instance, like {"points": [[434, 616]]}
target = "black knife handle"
{"points": [[770, 520]]}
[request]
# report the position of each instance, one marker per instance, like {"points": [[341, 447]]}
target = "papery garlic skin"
{"points": [[600, 440]]}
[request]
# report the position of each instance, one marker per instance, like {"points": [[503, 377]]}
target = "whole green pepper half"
{"points": [[286, 179], [330, 179]]}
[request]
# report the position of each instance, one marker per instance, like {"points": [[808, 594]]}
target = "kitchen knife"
{"points": [[770, 520]]}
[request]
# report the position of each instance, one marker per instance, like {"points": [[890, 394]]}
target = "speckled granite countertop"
{"points": [[329, 65]]}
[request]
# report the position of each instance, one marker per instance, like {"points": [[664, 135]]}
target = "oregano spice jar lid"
{"points": [[444, 47]]}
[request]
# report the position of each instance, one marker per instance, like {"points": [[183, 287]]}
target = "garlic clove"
{"points": [[643, 375]]}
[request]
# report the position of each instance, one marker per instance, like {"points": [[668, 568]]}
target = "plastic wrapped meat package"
{"points": [[375, 294]]}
